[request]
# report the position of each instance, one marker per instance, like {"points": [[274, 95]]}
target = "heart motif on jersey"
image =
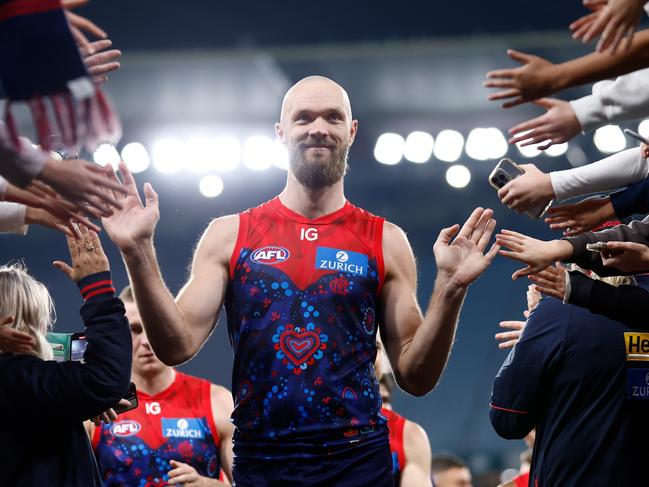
{"points": [[299, 347]]}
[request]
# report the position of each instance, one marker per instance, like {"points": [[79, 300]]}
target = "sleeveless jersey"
{"points": [[396, 423], [176, 424], [302, 319]]}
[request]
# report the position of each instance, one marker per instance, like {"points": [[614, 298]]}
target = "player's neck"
{"points": [[312, 202], [154, 383]]}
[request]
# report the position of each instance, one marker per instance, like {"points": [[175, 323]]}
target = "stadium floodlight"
{"points": [[556, 150], [106, 154], [279, 155], [256, 152], [227, 153], [419, 147], [389, 148], [136, 157], [643, 128], [448, 146], [609, 139], [486, 143], [458, 176], [201, 154], [211, 186], [168, 155]]}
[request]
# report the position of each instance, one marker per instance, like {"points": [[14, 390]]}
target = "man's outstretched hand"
{"points": [[459, 253], [133, 223]]}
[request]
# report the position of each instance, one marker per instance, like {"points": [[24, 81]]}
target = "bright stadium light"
{"points": [[458, 176], [105, 155], [419, 147], [168, 155], [279, 155], [609, 139], [227, 153], [389, 148], [556, 150], [256, 152], [448, 146], [211, 186], [643, 128], [201, 154], [486, 143], [136, 157]]}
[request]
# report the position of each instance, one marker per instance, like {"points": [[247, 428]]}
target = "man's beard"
{"points": [[319, 173]]}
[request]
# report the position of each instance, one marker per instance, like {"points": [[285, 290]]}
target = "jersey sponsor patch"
{"points": [[125, 428], [182, 428], [637, 346], [329, 259], [270, 255], [637, 384]]}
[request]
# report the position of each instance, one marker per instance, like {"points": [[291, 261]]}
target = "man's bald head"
{"points": [[313, 89]]}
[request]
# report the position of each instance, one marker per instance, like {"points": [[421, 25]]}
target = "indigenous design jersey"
{"points": [[396, 423], [176, 424], [302, 318]]}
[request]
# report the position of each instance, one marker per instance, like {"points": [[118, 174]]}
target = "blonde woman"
{"points": [[44, 403]]}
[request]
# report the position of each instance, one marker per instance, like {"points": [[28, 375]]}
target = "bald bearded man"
{"points": [[306, 278]]}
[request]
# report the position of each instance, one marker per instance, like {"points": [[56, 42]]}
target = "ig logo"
{"points": [[309, 234], [152, 408]]}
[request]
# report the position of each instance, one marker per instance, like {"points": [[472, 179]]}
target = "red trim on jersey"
{"points": [[105, 282], [277, 205], [96, 436], [103, 290], [396, 423], [27, 7], [508, 410], [242, 233], [379, 223]]}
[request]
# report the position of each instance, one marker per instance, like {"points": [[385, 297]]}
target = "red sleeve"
{"points": [[241, 236]]}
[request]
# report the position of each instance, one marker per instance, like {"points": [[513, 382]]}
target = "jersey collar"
{"points": [[289, 214]]}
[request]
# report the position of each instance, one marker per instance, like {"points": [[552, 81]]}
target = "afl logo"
{"points": [[125, 428], [270, 255]]}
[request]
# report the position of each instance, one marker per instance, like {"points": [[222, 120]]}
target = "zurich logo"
{"points": [[270, 255], [342, 256], [182, 424]]}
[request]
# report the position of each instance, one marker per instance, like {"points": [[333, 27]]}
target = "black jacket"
{"points": [[43, 403]]}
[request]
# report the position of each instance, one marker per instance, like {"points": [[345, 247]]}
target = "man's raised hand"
{"points": [[462, 259], [133, 223]]}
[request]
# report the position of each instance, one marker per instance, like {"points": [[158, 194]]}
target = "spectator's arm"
{"points": [[611, 172], [632, 200], [12, 218], [517, 386], [626, 98], [626, 303]]}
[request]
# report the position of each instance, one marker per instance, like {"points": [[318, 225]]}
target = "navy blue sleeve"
{"points": [[73, 389], [632, 200], [519, 383], [627, 303]]}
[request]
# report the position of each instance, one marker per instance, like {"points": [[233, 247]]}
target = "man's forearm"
{"points": [[164, 323], [598, 66], [426, 357]]}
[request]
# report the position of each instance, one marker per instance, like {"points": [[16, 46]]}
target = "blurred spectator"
{"points": [[567, 377], [448, 471], [61, 395], [411, 455], [153, 451]]}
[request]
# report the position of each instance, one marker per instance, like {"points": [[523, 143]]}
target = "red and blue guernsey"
{"points": [[176, 424], [302, 318], [396, 422]]}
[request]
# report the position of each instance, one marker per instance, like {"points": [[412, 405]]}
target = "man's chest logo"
{"points": [[270, 255], [330, 259]]}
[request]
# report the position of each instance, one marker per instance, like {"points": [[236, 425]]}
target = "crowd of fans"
{"points": [[574, 384]]}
